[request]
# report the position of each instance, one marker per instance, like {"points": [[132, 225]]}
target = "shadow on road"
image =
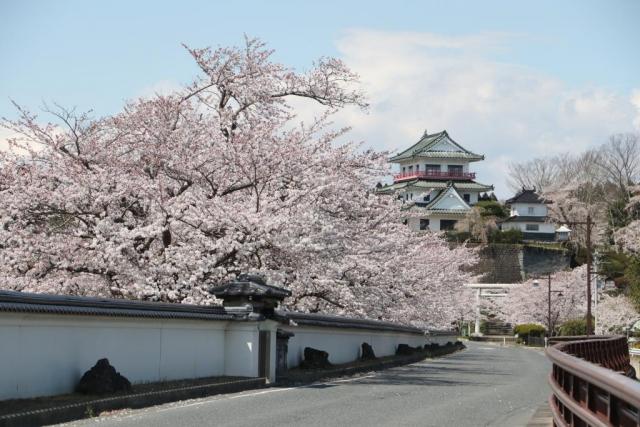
{"points": [[465, 368]]}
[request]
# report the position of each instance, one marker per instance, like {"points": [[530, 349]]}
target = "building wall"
{"points": [[434, 221], [426, 161], [415, 194], [539, 209], [543, 227], [46, 354], [344, 345]]}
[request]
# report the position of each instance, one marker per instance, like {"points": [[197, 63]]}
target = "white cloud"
{"points": [[5, 136], [505, 111], [635, 100], [162, 87]]}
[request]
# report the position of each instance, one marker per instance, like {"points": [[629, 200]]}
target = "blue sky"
{"points": [[509, 79]]}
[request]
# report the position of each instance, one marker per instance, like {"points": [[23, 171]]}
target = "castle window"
{"points": [[455, 169], [447, 224], [424, 224], [532, 227]]}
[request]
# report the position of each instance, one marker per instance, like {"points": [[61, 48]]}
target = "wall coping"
{"points": [[22, 302], [331, 321]]}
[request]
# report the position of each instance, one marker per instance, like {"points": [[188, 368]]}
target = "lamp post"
{"points": [[536, 283]]}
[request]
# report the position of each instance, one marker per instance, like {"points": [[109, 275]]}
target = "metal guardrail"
{"points": [[590, 384]]}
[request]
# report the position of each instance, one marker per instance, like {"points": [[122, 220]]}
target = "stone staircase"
{"points": [[498, 327]]}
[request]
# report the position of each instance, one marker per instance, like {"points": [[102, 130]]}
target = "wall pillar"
{"points": [[477, 328]]}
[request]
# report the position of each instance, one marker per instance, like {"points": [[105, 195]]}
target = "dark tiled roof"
{"points": [[329, 321], [519, 218], [435, 185], [527, 196], [21, 302], [544, 237]]}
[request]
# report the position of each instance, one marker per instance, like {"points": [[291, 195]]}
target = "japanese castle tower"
{"points": [[435, 182]]}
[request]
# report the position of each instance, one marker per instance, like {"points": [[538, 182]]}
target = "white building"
{"points": [[529, 215], [435, 181]]}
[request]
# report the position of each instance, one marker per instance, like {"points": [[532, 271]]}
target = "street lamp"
{"points": [[536, 283]]}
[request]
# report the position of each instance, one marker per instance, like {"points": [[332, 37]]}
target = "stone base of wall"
{"points": [[66, 411], [302, 376]]}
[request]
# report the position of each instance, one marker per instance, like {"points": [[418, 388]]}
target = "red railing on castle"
{"points": [[433, 174], [591, 382]]}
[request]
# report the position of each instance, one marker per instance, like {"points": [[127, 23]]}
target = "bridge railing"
{"points": [[590, 382]]}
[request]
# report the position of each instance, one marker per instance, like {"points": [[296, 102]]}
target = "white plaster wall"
{"points": [[47, 354], [344, 345], [434, 222], [43, 354], [523, 209], [442, 339], [241, 348], [543, 227], [444, 163]]}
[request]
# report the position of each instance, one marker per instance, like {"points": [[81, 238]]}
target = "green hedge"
{"points": [[526, 330], [492, 208], [573, 327]]}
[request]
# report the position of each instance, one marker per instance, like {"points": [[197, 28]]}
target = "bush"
{"points": [[458, 236], [507, 236], [573, 327], [492, 208], [527, 330]]}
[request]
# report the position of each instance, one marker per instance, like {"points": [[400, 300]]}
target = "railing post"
{"points": [[588, 388]]}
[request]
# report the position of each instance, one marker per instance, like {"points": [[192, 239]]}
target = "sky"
{"points": [[511, 80]]}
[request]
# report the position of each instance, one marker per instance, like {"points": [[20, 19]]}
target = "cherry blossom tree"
{"points": [[628, 237], [179, 192], [526, 303], [614, 314]]}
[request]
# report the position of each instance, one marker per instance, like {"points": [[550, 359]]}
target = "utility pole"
{"points": [[589, 224], [589, 318], [549, 330]]}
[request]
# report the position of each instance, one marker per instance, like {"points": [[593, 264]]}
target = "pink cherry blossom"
{"points": [[179, 192]]}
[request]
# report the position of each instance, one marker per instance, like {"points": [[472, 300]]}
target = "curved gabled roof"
{"points": [[527, 196], [433, 184], [427, 146]]}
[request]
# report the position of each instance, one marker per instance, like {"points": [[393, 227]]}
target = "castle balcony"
{"points": [[433, 174]]}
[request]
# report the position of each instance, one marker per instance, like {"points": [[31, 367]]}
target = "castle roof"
{"points": [[437, 145], [527, 196], [435, 185]]}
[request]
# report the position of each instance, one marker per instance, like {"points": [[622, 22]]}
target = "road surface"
{"points": [[485, 385]]}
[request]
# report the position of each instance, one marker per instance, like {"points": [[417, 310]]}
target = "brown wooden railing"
{"points": [[591, 382]]}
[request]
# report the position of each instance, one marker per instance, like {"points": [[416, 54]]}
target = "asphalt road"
{"points": [[485, 385]]}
